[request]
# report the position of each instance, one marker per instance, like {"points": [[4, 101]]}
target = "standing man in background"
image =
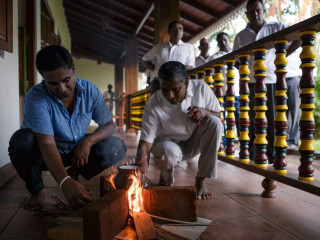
{"points": [[109, 98], [174, 50], [204, 46], [223, 41], [256, 29]]}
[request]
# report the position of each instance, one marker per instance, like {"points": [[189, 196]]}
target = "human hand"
{"points": [[76, 194], [80, 154], [197, 114]]}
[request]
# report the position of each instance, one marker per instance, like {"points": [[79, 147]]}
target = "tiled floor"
{"points": [[237, 208]]}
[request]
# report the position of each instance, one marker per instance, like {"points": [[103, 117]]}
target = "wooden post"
{"points": [[218, 90], [118, 79], [244, 120], [131, 65], [307, 123], [260, 107], [230, 107], [281, 122], [165, 11]]}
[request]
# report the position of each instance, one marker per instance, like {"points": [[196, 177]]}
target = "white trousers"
{"points": [[205, 140]]}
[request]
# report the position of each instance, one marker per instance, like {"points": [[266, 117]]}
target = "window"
{"points": [[6, 27]]}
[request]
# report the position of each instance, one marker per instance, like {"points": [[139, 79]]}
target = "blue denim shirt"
{"points": [[44, 113]]}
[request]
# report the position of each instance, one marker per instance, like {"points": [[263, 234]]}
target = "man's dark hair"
{"points": [[53, 57], [220, 34], [173, 70], [253, 1], [173, 22], [201, 40]]}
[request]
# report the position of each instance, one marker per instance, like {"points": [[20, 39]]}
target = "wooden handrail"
{"points": [[290, 34]]}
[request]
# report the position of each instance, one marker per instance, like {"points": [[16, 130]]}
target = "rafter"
{"points": [[202, 8]]}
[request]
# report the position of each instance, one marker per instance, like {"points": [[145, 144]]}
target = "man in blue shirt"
{"points": [[57, 113]]}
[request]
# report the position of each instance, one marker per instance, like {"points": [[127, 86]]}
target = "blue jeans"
{"points": [[27, 160]]}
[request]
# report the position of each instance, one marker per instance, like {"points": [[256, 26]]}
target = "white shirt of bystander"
{"points": [[247, 36], [162, 119], [165, 52]]}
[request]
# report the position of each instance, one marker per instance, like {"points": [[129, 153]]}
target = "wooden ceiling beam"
{"points": [[83, 42], [88, 54], [106, 34], [74, 14], [202, 8], [100, 40], [192, 19], [104, 11], [231, 3], [145, 42]]}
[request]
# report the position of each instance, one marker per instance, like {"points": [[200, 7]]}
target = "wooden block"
{"points": [[177, 203], [64, 233], [106, 217], [144, 226]]}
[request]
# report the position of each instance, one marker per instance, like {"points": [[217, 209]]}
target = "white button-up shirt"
{"points": [[162, 119], [248, 35], [201, 60], [165, 52]]}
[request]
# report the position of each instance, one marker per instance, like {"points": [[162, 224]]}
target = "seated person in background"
{"points": [[57, 113], [204, 46], [179, 122]]}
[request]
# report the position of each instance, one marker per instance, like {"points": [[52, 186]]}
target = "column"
{"points": [[131, 65], [218, 90], [230, 107], [307, 123], [209, 77], [165, 11], [281, 122], [260, 108], [244, 120]]}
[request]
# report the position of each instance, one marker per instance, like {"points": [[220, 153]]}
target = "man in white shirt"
{"points": [[257, 28], [179, 122], [204, 46], [223, 41], [174, 50]]}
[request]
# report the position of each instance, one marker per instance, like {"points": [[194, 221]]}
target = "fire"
{"points": [[135, 195], [110, 181]]}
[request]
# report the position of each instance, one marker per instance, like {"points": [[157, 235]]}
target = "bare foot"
{"points": [[36, 201], [74, 173], [202, 190]]}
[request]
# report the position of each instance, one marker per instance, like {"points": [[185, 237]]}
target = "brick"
{"points": [[177, 203], [106, 217]]}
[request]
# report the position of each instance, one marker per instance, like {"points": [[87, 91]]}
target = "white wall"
{"points": [[9, 92], [99, 74]]}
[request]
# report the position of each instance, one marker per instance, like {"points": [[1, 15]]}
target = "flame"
{"points": [[110, 181], [135, 195]]}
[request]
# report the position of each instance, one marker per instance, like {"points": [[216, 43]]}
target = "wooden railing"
{"points": [[302, 179]]}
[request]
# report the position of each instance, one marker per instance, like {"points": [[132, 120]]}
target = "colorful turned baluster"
{"points": [[281, 122], [218, 90], [307, 123], [209, 77], [230, 107], [260, 108], [244, 120], [201, 75], [192, 76]]}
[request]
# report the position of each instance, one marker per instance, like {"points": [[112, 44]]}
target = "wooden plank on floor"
{"points": [[64, 233]]}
